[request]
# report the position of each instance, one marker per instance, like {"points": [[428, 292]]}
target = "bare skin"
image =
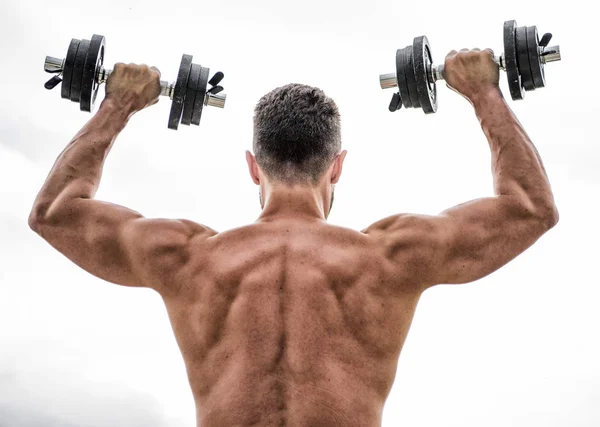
{"points": [[291, 321]]}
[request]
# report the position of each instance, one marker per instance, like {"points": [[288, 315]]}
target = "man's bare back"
{"points": [[291, 321]]}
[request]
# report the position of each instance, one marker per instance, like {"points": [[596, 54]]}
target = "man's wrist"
{"points": [[487, 98], [110, 119], [119, 109]]}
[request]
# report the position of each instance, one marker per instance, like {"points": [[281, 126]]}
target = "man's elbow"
{"points": [[555, 216], [38, 216], [548, 216], [36, 219]]}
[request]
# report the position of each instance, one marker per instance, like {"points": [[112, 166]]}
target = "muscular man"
{"points": [[291, 321]]}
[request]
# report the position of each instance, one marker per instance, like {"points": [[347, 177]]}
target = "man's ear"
{"points": [[338, 164], [252, 167]]}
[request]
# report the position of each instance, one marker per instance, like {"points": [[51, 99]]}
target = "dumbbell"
{"points": [[524, 58], [82, 72]]}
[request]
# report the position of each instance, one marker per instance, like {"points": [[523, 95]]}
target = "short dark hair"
{"points": [[296, 134]]}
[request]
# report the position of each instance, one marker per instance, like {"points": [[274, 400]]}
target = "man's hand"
{"points": [[471, 73], [133, 86]]}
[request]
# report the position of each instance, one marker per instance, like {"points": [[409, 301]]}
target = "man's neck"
{"points": [[293, 202]]}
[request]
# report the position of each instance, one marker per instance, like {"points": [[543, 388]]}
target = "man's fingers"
{"points": [[156, 69], [451, 54], [465, 50], [118, 67]]}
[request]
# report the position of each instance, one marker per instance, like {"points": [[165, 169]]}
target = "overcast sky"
{"points": [[518, 348]]}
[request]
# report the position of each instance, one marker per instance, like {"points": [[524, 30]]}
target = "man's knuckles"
{"points": [[141, 70]]}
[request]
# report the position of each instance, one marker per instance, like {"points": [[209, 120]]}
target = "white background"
{"points": [[518, 348]]}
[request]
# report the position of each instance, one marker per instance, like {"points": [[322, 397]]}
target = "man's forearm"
{"points": [[77, 171], [516, 164]]}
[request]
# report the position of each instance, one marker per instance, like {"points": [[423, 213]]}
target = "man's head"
{"points": [[297, 138]]}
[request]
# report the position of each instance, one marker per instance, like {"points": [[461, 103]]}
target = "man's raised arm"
{"points": [[109, 241], [470, 241]]}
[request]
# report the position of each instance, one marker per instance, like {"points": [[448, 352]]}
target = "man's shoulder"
{"points": [[403, 224], [406, 237]]}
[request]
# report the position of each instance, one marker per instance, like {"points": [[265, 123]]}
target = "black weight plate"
{"points": [[180, 91], [65, 89], [401, 78], [190, 95], [510, 59], [411, 80], [426, 90], [535, 63], [523, 59], [200, 94], [78, 70], [93, 62]]}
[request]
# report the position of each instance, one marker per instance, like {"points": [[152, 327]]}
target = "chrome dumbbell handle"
{"points": [[56, 65], [436, 72], [167, 89], [548, 54]]}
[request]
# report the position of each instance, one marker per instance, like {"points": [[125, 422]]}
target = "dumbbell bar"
{"points": [[55, 65], [523, 60], [82, 72]]}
